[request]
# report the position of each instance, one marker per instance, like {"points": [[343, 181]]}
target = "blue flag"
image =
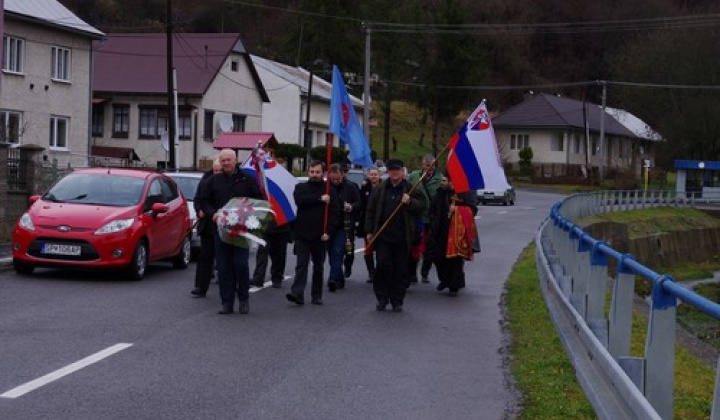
{"points": [[344, 122]]}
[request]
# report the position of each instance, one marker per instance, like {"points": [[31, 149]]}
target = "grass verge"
{"points": [[544, 374]]}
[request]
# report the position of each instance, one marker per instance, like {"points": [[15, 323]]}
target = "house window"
{"points": [[234, 65], [13, 54], [153, 122], [238, 122], [519, 141], [59, 132], [61, 64], [208, 125], [576, 144], [98, 120], [121, 121], [558, 143], [10, 126], [184, 128]]}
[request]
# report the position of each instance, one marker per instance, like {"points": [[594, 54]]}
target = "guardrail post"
{"points": [[578, 297], [596, 287], [660, 350], [621, 310]]}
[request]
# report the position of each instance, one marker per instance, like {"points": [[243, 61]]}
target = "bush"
{"points": [[526, 156]]}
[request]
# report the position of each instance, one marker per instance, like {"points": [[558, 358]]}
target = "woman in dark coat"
{"points": [[449, 269]]}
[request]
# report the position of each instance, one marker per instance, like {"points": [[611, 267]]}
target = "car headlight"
{"points": [[115, 226], [26, 222]]}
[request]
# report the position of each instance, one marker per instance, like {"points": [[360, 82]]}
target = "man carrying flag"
{"points": [[344, 123]]}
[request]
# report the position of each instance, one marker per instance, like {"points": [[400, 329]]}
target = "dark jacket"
{"points": [[365, 191], [347, 192], [410, 212], [220, 188], [202, 223], [311, 211]]}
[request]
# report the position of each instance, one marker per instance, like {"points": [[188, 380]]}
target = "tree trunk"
{"points": [[386, 128], [435, 129]]}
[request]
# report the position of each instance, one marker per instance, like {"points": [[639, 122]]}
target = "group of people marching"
{"points": [[403, 220]]}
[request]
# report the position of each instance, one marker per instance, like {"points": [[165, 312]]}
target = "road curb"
{"points": [[5, 264]]}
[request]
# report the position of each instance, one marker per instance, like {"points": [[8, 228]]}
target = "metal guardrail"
{"points": [[573, 271]]}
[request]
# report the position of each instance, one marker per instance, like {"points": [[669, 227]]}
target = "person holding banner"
{"points": [[391, 220], [451, 235], [312, 232]]}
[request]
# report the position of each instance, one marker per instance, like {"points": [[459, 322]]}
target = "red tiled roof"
{"points": [[137, 63], [244, 140]]}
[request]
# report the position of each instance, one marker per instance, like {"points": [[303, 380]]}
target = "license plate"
{"points": [[60, 249]]}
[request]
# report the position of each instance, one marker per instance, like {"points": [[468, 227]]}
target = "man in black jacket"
{"points": [[312, 232], [392, 244], [348, 196], [206, 260], [232, 261]]}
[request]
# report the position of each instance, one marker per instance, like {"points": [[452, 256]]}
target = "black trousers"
{"points": [[391, 276], [206, 260], [306, 251], [275, 250]]}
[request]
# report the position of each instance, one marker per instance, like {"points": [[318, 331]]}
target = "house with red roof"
{"points": [[218, 91], [565, 136], [45, 88]]}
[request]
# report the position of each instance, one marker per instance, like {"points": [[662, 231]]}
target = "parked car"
{"points": [[188, 183], [103, 218], [505, 197]]}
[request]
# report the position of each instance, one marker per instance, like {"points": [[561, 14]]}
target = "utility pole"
{"points": [[170, 95], [601, 167], [366, 84], [308, 141]]}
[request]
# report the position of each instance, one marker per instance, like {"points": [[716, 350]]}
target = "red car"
{"points": [[104, 218]]}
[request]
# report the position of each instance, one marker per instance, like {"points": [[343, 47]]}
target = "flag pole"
{"points": [[397, 208], [327, 182]]}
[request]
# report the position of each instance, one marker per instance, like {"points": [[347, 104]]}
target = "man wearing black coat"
{"points": [[232, 261], [206, 260], [349, 205], [312, 232]]}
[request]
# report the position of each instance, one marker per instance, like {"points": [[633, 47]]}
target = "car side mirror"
{"points": [[33, 199], [158, 208]]}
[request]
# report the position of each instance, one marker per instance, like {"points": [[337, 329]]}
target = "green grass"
{"points": [[545, 375]]}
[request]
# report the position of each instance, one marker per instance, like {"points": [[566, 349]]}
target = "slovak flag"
{"points": [[344, 122], [276, 183], [474, 162]]}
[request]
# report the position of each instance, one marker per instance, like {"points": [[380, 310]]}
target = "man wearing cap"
{"points": [[392, 237]]}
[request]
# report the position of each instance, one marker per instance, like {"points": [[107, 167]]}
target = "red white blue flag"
{"points": [[474, 162], [276, 183]]}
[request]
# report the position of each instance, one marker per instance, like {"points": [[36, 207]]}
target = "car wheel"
{"points": [[181, 260], [138, 266], [483, 202], [22, 268], [505, 201]]}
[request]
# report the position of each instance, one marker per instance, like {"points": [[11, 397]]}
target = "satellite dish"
{"points": [[225, 123], [164, 140]]}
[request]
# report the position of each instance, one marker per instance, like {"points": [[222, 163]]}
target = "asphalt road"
{"points": [[94, 346]]}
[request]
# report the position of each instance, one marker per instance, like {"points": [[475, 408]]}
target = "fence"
{"points": [[573, 271]]}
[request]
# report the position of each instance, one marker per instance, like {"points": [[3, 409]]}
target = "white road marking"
{"points": [[71, 368]]}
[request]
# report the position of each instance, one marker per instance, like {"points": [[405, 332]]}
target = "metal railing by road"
{"points": [[573, 271]]}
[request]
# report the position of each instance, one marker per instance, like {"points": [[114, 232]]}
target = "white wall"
{"points": [[38, 97]]}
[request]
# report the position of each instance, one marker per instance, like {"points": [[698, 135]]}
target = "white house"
{"points": [[554, 128], [45, 91], [218, 91], [286, 113]]}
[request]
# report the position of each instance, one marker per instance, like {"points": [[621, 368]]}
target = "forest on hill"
{"points": [[659, 59]]}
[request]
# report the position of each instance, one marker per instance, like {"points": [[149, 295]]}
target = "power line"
{"points": [[553, 85]]}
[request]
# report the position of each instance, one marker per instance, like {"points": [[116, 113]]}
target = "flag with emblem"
{"points": [[474, 161], [276, 183], [344, 123]]}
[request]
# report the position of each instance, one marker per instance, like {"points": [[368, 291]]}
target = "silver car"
{"points": [[188, 183]]}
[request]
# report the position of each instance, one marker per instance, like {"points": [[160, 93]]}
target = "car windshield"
{"points": [[188, 186], [97, 189]]}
